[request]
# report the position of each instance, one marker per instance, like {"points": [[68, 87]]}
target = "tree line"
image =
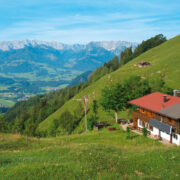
{"points": [[128, 54], [125, 56]]}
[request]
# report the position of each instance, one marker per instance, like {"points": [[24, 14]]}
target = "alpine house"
{"points": [[160, 114]]}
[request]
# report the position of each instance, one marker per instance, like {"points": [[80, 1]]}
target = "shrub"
{"points": [[128, 129], [145, 132]]}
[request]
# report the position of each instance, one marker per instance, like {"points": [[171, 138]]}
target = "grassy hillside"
{"points": [[94, 155], [165, 60]]}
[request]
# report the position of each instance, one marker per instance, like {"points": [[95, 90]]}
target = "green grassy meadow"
{"points": [[165, 62], [8, 103], [92, 155]]}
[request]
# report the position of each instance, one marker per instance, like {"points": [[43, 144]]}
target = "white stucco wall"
{"points": [[176, 141], [155, 131], [162, 134], [165, 136]]}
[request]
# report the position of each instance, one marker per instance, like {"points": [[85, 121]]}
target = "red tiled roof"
{"points": [[155, 101]]}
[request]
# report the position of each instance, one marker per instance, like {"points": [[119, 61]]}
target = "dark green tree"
{"points": [[145, 132], [125, 56], [136, 87], [113, 98]]}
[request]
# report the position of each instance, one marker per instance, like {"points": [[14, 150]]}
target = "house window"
{"points": [[140, 122]]}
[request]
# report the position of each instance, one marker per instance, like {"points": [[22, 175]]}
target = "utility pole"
{"points": [[85, 110], [85, 122]]}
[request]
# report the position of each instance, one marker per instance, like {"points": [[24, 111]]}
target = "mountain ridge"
{"points": [[108, 45]]}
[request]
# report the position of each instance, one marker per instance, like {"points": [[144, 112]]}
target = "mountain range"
{"points": [[114, 46], [31, 67]]}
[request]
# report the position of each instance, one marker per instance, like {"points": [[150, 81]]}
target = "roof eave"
{"points": [[157, 112]]}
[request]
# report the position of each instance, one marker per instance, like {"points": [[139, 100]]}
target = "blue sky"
{"points": [[81, 21]]}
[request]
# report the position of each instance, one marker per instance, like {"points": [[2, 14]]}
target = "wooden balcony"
{"points": [[138, 115]]}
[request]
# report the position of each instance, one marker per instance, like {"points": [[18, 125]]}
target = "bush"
{"points": [[145, 132], [128, 129]]}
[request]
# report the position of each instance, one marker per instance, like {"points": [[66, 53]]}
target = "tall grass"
{"points": [[93, 155]]}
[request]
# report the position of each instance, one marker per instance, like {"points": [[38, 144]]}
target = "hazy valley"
{"points": [[35, 67]]}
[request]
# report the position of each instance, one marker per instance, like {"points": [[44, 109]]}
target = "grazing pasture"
{"points": [[93, 155]]}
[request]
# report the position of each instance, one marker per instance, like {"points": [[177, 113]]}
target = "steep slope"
{"points": [[165, 62]]}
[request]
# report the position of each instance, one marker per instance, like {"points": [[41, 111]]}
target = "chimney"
{"points": [[176, 93], [165, 98]]}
